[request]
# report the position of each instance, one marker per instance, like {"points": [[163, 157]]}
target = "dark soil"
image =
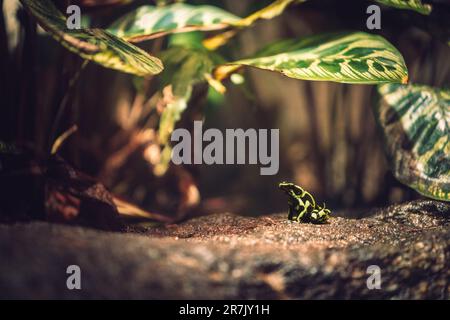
{"points": [[229, 257]]}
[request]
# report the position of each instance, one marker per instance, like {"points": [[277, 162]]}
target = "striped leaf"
{"points": [[349, 58], [416, 124], [148, 22], [93, 44], [415, 5]]}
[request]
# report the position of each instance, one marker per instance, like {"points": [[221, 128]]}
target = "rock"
{"points": [[230, 257]]}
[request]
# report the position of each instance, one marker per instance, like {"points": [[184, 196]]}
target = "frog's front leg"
{"points": [[302, 210], [294, 209], [291, 212]]}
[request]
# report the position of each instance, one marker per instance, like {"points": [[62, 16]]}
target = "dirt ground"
{"points": [[224, 256]]}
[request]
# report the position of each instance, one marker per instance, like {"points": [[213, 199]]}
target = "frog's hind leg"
{"points": [[320, 215]]}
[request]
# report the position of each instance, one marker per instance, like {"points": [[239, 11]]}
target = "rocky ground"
{"points": [[229, 257]]}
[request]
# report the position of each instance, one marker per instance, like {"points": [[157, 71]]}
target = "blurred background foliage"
{"points": [[330, 143]]}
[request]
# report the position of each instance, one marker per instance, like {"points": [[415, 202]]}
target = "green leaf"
{"points": [[416, 124], [93, 44], [415, 5], [349, 58], [176, 105], [185, 67], [148, 22]]}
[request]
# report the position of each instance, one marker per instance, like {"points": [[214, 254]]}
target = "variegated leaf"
{"points": [[174, 106], [148, 22], [271, 11], [93, 44], [415, 5], [349, 58], [184, 68], [416, 124]]}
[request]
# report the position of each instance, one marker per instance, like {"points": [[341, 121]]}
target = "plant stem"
{"points": [[63, 104]]}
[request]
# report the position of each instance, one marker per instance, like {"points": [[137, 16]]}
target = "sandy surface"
{"points": [[227, 256]]}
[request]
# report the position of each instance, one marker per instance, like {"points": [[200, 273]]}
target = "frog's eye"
{"points": [[298, 191]]}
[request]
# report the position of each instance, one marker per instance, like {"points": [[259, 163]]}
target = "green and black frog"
{"points": [[302, 206]]}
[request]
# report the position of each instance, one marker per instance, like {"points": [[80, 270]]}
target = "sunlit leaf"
{"points": [[416, 124], [148, 22], [62, 138], [349, 58], [271, 11], [415, 5], [184, 68], [174, 108], [93, 44], [131, 211]]}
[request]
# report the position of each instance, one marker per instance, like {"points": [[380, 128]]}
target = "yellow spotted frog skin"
{"points": [[302, 206]]}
